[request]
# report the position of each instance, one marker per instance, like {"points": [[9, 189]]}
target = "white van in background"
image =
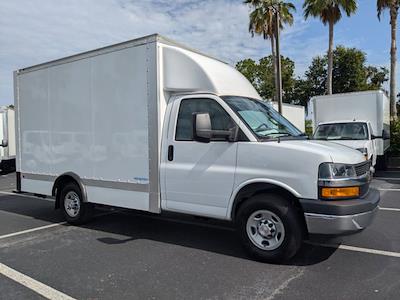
{"points": [[358, 120], [187, 133], [294, 113], [7, 139]]}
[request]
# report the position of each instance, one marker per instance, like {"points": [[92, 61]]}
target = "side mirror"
{"points": [[4, 143], [203, 133], [373, 137]]}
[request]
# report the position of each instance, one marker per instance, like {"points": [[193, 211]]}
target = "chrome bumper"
{"points": [[337, 225]]}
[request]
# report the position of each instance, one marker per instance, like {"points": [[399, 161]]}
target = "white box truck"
{"points": [[294, 113], [7, 139], [360, 120], [154, 126]]}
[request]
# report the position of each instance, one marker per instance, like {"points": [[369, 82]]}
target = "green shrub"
{"points": [[395, 137], [309, 129]]}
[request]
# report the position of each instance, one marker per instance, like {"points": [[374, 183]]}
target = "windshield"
{"points": [[342, 131], [261, 118]]}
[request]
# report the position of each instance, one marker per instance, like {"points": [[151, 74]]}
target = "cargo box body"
{"points": [[99, 116], [294, 113]]}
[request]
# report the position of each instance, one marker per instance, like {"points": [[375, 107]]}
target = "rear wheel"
{"points": [[74, 209], [270, 228]]}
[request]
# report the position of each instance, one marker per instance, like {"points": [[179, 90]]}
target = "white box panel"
{"points": [[120, 198]]}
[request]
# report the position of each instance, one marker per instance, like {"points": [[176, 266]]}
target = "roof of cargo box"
{"points": [[350, 94], [185, 69]]}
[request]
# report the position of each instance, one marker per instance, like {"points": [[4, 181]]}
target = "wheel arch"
{"points": [[252, 187], [64, 179]]}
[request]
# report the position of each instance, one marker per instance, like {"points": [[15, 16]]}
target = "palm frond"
{"points": [[329, 10], [381, 5]]}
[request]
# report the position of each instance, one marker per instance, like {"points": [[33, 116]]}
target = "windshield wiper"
{"points": [[346, 138], [335, 139]]}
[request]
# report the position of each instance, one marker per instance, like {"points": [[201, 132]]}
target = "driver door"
{"points": [[199, 177]]}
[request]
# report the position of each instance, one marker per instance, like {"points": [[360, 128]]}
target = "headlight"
{"points": [[331, 189], [364, 151], [336, 171]]}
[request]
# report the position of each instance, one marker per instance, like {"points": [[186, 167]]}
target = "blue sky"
{"points": [[35, 31]]}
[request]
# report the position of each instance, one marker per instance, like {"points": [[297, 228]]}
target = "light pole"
{"points": [[278, 59]]}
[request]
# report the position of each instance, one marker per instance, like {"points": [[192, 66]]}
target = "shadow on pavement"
{"points": [[30, 207], [395, 174], [207, 235], [187, 231]]}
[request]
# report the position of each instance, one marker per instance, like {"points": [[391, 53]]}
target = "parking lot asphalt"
{"points": [[129, 255]]}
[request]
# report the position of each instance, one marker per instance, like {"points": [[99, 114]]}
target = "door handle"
{"points": [[170, 153]]}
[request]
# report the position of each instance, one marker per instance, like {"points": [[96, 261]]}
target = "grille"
{"points": [[362, 168]]}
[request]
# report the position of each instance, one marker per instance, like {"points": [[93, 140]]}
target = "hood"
{"points": [[335, 152]]}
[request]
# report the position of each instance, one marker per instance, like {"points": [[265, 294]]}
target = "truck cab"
{"points": [[354, 134], [224, 154]]}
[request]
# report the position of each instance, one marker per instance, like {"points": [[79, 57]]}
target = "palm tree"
{"points": [[393, 6], [329, 12], [262, 21]]}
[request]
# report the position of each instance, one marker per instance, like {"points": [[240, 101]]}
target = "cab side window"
{"points": [[220, 119]]}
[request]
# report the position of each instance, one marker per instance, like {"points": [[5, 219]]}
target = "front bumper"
{"points": [[342, 216]]}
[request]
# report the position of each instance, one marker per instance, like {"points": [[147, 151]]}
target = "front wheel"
{"points": [[75, 211], [270, 228]]}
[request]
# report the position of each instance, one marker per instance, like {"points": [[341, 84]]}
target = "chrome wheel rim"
{"points": [[72, 204], [265, 230]]}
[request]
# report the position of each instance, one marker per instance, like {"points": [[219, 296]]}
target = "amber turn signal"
{"points": [[340, 192]]}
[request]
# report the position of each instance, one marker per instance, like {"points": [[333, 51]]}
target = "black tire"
{"points": [[6, 166], [290, 218], [85, 211], [382, 162]]}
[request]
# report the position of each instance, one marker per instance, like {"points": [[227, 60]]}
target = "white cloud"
{"points": [[35, 31]]}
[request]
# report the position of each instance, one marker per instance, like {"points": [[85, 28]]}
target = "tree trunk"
{"points": [[393, 61], [275, 96], [330, 60]]}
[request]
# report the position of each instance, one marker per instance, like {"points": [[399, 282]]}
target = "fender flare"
{"points": [[270, 182], [75, 177]]}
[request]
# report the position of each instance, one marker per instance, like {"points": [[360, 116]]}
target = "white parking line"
{"points": [[388, 190], [32, 284], [31, 230], [46, 227], [357, 249], [389, 208]]}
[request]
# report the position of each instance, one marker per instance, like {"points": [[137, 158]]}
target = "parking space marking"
{"points": [[357, 249], [388, 190], [389, 208], [32, 284], [31, 230]]}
